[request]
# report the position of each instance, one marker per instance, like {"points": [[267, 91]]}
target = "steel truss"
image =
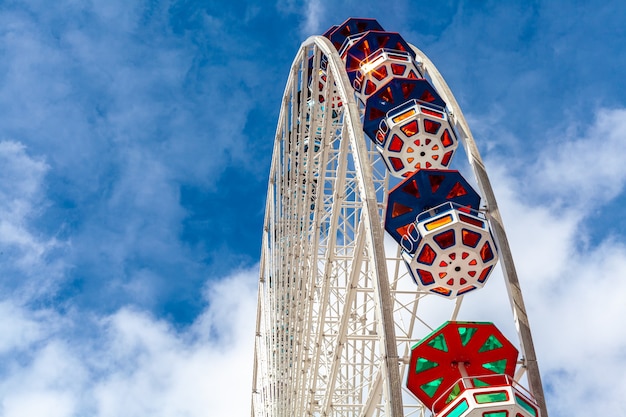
{"points": [[337, 310]]}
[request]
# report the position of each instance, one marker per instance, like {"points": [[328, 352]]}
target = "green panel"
{"points": [[492, 397], [525, 405], [456, 390], [458, 410], [423, 365], [497, 366], [431, 387], [496, 414], [466, 334], [439, 343], [479, 383], [490, 344]]}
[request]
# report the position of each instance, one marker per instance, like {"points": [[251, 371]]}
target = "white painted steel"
{"points": [[337, 311]]}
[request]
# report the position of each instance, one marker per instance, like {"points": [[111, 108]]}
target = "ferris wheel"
{"points": [[372, 241]]}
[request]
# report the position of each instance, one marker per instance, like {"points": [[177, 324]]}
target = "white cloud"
{"points": [[313, 13], [162, 372], [587, 170], [46, 386], [24, 251], [572, 289], [20, 187], [132, 364], [119, 106], [21, 330]]}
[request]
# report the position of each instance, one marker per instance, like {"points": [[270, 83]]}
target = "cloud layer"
{"points": [[135, 138], [131, 364], [571, 281]]}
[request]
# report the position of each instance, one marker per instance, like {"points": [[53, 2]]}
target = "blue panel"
{"points": [[370, 43], [393, 94], [423, 190], [351, 27]]}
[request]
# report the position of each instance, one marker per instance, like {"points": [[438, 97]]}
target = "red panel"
{"points": [[380, 137], [484, 274], [445, 239], [396, 144], [402, 230], [370, 87], [486, 254], [431, 126], [458, 349], [364, 47], [382, 41], [396, 163], [427, 255], [400, 209], [386, 95], [380, 73], [410, 129], [470, 238], [435, 182], [407, 89], [471, 220], [411, 188], [465, 290], [352, 64], [427, 96], [375, 113], [442, 291], [446, 140], [432, 113], [399, 47], [426, 277], [398, 69], [456, 191]]}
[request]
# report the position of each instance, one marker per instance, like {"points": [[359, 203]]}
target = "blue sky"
{"points": [[135, 142]]}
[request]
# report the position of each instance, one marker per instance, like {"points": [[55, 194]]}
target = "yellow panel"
{"points": [[404, 115], [438, 222]]}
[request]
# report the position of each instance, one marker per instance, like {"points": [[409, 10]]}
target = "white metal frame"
{"points": [[337, 310]]}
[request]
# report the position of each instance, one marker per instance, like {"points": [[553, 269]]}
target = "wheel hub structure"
{"points": [[339, 311]]}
